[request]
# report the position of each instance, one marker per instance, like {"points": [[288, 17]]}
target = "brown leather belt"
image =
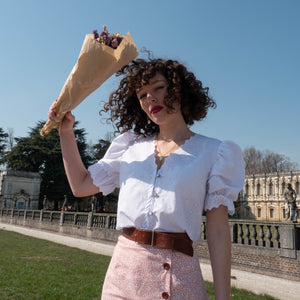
{"points": [[166, 240]]}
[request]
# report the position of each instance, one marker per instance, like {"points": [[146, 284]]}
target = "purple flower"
{"points": [[114, 43], [104, 34], [105, 38], [96, 34]]}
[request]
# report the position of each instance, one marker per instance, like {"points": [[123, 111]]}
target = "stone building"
{"points": [[262, 197], [19, 189]]}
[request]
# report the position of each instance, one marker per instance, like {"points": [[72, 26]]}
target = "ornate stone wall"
{"points": [[268, 248], [262, 197], [19, 189]]}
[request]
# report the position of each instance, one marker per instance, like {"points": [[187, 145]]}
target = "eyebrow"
{"points": [[157, 80]]}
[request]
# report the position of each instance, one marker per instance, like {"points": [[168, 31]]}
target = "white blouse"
{"points": [[202, 174]]}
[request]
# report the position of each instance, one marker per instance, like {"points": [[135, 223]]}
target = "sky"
{"points": [[246, 52]]}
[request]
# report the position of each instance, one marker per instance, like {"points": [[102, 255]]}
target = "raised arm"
{"points": [[79, 178], [219, 245]]}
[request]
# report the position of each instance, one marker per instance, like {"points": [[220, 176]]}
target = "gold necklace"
{"points": [[161, 156]]}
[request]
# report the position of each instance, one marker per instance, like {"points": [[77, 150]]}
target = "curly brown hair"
{"points": [[183, 87]]}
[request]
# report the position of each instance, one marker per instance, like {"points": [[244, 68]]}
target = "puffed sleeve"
{"points": [[226, 178], [105, 173]]}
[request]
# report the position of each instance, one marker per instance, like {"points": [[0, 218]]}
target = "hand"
{"points": [[51, 112], [66, 124]]}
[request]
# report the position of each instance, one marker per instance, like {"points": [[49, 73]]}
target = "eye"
{"points": [[142, 96]]}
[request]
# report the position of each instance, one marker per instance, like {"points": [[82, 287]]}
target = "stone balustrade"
{"points": [[271, 248], [250, 233]]}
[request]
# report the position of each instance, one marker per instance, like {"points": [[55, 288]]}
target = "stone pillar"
{"points": [[264, 189], [90, 220], [251, 186], [27, 206], [107, 221], [61, 220], [288, 241], [255, 182], [276, 188]]}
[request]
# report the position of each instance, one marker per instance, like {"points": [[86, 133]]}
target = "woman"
{"points": [[167, 176]]}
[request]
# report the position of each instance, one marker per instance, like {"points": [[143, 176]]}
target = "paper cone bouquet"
{"points": [[96, 63]]}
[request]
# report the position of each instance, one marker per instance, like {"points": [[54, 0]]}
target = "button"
{"points": [[155, 194], [165, 295], [166, 266], [150, 213]]}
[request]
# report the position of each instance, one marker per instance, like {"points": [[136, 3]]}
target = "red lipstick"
{"points": [[156, 109]]}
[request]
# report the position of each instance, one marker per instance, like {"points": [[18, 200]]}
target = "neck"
{"points": [[173, 132]]}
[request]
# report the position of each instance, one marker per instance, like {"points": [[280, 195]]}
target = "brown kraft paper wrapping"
{"points": [[95, 64]]}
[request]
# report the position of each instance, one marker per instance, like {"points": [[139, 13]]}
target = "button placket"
{"points": [[166, 277], [154, 194]]}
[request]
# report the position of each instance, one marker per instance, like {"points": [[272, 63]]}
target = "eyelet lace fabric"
{"points": [[216, 200], [202, 174]]}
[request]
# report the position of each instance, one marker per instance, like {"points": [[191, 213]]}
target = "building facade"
{"points": [[262, 197], [19, 190]]}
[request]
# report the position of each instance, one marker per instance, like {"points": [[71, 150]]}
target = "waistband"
{"points": [[167, 240]]}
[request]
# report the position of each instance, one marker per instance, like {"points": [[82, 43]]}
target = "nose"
{"points": [[151, 97]]}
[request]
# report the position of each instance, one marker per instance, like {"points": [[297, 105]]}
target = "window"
{"points": [[258, 189], [247, 189], [20, 205], [248, 211], [283, 187], [9, 189], [259, 212], [271, 189], [297, 187], [271, 213]]}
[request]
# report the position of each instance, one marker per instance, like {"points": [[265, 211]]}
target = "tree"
{"points": [[266, 162], [98, 150], [10, 138], [35, 153], [3, 141]]}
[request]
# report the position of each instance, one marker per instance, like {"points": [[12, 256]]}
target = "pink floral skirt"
{"points": [[144, 272]]}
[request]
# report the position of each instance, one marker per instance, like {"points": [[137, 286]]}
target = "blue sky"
{"points": [[246, 52]]}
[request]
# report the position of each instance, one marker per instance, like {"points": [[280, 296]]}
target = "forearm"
{"points": [[79, 178], [219, 244]]}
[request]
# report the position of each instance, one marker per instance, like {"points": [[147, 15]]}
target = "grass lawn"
{"points": [[37, 269]]}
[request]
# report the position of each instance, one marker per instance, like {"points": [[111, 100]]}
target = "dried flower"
{"points": [[96, 34], [111, 40]]}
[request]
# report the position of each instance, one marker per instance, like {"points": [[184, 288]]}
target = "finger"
{"points": [[53, 105], [51, 115], [69, 115]]}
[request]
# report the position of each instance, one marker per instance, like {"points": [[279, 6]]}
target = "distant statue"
{"points": [[45, 206], [290, 204], [64, 207], [93, 203]]}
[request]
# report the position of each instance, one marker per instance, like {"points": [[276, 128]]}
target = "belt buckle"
{"points": [[135, 236], [152, 237]]}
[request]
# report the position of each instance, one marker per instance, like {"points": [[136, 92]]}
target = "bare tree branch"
{"points": [[266, 162]]}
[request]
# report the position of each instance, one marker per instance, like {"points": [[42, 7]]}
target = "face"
{"points": [[151, 98]]}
